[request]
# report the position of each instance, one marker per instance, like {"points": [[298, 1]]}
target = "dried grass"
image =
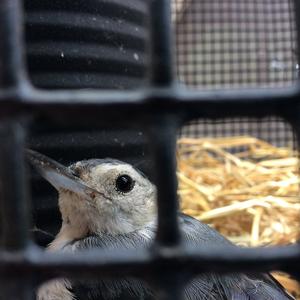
{"points": [[244, 187]]}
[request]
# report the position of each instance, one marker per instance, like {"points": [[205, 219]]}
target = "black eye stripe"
{"points": [[124, 183]]}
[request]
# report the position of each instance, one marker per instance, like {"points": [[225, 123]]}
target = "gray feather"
{"points": [[205, 287]]}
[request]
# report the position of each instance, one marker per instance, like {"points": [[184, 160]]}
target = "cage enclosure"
{"points": [[200, 93]]}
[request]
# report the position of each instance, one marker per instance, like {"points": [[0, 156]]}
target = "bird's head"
{"points": [[99, 195]]}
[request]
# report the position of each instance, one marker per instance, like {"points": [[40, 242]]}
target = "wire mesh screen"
{"points": [[235, 43], [270, 129]]}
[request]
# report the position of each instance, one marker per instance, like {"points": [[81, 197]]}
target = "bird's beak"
{"points": [[58, 175]]}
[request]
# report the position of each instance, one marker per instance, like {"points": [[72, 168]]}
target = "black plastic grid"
{"points": [[160, 109], [233, 43]]}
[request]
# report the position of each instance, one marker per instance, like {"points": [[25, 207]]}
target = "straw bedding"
{"points": [[244, 187]]}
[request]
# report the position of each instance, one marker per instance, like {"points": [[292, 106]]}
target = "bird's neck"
{"points": [[70, 232], [80, 221], [67, 234], [75, 224]]}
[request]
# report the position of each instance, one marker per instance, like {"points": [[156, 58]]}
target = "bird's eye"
{"points": [[124, 183]]}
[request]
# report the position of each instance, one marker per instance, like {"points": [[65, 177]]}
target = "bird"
{"points": [[108, 204]]}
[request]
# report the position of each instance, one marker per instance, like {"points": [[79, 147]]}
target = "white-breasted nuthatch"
{"points": [[108, 204]]}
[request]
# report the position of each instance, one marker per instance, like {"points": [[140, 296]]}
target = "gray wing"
{"points": [[205, 287], [218, 287], [119, 289]]}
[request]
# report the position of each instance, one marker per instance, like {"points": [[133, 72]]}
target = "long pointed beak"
{"points": [[58, 175]]}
